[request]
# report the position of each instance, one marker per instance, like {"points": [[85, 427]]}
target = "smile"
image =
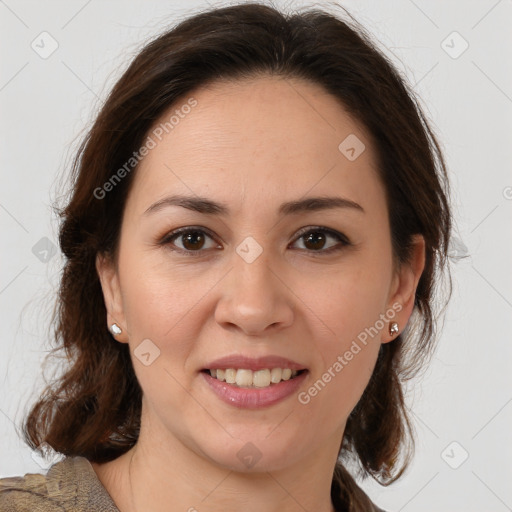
{"points": [[249, 395], [246, 378]]}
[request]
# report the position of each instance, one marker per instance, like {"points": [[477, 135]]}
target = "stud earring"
{"points": [[115, 329], [393, 328]]}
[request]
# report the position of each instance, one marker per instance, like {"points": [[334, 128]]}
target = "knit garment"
{"points": [[69, 485]]}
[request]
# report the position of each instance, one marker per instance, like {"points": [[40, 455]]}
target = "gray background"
{"points": [[462, 405]]}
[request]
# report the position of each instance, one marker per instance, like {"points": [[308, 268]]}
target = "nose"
{"points": [[255, 298]]}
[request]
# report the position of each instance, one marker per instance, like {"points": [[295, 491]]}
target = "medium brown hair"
{"points": [[93, 409]]}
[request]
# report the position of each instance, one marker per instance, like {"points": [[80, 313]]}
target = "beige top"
{"points": [[71, 485]]}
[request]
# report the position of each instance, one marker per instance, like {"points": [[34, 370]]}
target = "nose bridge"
{"points": [[254, 298], [253, 278]]}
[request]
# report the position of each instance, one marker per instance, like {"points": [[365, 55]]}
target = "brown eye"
{"points": [[317, 240], [193, 241], [189, 240]]}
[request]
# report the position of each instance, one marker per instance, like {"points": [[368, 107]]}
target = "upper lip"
{"points": [[239, 361]]}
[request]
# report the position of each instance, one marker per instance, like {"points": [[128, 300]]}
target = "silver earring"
{"points": [[115, 329], [393, 328]]}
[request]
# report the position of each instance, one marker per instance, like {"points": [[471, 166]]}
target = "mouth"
{"points": [[253, 379], [253, 382], [254, 389]]}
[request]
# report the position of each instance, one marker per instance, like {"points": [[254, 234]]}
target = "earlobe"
{"points": [[404, 288], [109, 280]]}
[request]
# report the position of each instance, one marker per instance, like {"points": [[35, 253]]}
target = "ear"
{"points": [[403, 288], [109, 279]]}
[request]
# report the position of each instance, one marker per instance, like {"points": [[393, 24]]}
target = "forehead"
{"points": [[261, 136]]}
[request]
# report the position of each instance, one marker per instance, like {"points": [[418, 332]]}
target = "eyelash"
{"points": [[344, 241]]}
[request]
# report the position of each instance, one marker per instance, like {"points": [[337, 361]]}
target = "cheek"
{"points": [[338, 385], [348, 384], [161, 312], [156, 296], [351, 309], [350, 302]]}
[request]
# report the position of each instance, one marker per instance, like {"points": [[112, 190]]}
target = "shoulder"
{"points": [[69, 485]]}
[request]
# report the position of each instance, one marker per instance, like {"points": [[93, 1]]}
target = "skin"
{"points": [[250, 145]]}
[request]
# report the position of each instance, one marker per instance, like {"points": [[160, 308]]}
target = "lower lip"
{"points": [[254, 398]]}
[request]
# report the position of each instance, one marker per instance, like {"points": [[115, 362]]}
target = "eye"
{"points": [[192, 240], [316, 240], [189, 240]]}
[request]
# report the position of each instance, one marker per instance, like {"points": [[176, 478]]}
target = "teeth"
{"points": [[244, 378], [247, 378], [230, 376], [275, 375], [261, 378]]}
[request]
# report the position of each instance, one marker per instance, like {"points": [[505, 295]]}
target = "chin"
{"points": [[252, 454]]}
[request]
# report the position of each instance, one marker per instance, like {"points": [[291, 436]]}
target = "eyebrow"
{"points": [[209, 207]]}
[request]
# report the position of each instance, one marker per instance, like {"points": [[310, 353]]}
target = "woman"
{"points": [[258, 219]]}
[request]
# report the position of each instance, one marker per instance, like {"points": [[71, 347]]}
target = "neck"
{"points": [[150, 478], [154, 484]]}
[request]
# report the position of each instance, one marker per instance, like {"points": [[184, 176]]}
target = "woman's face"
{"points": [[267, 278]]}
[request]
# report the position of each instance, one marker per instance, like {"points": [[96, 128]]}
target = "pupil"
{"points": [[194, 239], [317, 239]]}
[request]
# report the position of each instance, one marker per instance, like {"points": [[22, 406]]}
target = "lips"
{"points": [[254, 398], [253, 383]]}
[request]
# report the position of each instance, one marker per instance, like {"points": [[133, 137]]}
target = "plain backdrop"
{"points": [[457, 56]]}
